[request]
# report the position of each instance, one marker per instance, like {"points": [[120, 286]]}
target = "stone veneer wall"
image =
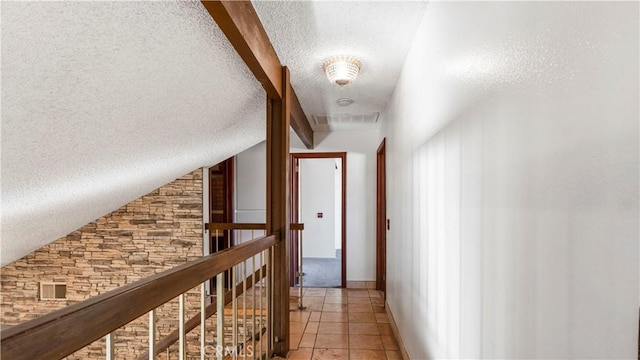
{"points": [[154, 233]]}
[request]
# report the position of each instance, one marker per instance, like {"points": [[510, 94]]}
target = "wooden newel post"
{"points": [[278, 122], [241, 25]]}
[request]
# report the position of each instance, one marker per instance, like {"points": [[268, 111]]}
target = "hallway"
{"points": [[511, 204], [323, 272], [341, 324]]}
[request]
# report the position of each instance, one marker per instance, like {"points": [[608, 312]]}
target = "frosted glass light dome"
{"points": [[342, 70]]}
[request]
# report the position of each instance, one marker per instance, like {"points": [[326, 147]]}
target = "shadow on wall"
{"points": [[510, 212]]}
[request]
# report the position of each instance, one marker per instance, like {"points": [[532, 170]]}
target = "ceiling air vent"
{"points": [[346, 119]]}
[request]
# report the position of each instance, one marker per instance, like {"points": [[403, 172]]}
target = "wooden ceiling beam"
{"points": [[241, 25], [300, 123]]}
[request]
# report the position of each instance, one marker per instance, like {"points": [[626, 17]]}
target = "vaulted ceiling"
{"points": [[103, 102]]}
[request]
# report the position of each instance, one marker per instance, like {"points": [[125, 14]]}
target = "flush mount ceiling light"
{"points": [[341, 70]]}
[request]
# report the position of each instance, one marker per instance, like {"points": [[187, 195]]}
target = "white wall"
{"points": [[513, 182], [361, 195], [361, 166], [104, 102], [317, 189], [250, 191], [251, 185]]}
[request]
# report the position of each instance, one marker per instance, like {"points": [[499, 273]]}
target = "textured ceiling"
{"points": [[103, 102], [305, 34]]}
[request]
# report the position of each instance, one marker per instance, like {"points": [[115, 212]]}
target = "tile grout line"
{"points": [[347, 324]]}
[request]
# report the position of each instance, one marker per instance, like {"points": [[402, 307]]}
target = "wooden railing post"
{"points": [[278, 123]]}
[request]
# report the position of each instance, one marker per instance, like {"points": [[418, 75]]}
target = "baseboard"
{"points": [[394, 328], [370, 285]]}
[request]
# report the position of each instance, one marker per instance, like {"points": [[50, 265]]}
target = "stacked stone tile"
{"points": [[151, 234]]}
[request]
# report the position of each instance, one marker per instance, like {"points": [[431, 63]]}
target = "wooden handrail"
{"points": [[210, 310], [235, 226], [246, 226], [60, 333]]}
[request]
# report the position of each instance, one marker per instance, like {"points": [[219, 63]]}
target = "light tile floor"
{"points": [[341, 324]]}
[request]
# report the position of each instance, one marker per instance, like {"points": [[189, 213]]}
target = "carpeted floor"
{"points": [[323, 272]]}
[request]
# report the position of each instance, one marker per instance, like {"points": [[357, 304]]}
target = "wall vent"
{"points": [[346, 119], [53, 291]]}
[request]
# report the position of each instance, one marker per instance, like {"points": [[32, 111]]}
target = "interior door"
{"points": [[221, 207]]}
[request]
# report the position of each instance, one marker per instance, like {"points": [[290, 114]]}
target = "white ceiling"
{"points": [[103, 102], [306, 33]]}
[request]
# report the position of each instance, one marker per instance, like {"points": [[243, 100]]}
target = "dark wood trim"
{"points": [[221, 212], [240, 23], [296, 227], [56, 335], [247, 226], [381, 218], [300, 123], [226, 169], [295, 197], [235, 226], [278, 127], [321, 155], [293, 215], [210, 310], [229, 178]]}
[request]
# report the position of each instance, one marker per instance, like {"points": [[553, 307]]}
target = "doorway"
{"points": [[382, 224], [318, 198], [221, 209]]}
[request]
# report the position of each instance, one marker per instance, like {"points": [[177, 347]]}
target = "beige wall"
{"points": [[149, 235]]}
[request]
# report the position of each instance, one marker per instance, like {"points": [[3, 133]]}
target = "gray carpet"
{"points": [[323, 272]]}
